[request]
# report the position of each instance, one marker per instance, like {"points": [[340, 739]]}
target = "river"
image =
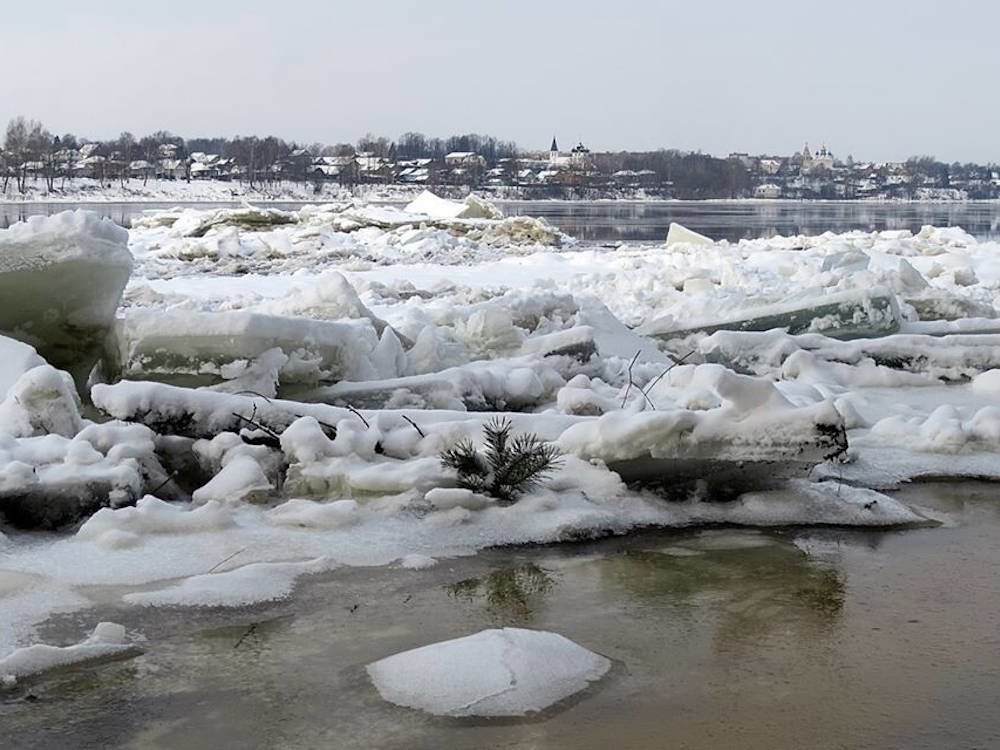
{"points": [[803, 638], [634, 221]]}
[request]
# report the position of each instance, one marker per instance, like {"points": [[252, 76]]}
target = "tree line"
{"points": [[31, 150]]}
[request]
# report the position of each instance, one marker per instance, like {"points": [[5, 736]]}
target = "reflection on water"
{"points": [[648, 222], [754, 585], [625, 221], [511, 593]]}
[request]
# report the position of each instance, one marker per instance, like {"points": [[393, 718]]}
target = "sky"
{"points": [[879, 79]]}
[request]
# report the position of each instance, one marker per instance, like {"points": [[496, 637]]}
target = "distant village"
{"points": [[32, 157]]}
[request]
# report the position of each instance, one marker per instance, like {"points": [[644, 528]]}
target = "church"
{"points": [[577, 157]]}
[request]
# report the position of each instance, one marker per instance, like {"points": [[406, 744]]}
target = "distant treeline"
{"points": [[31, 151]]}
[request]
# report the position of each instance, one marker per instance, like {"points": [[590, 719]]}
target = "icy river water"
{"points": [[634, 221], [804, 638]]}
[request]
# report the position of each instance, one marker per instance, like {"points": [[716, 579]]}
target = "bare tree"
{"points": [[125, 147], [26, 142]]}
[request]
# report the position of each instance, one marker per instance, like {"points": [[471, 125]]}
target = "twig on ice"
{"points": [[359, 415], [628, 387], [252, 393], [250, 631], [258, 425], [671, 366], [220, 564], [162, 484], [415, 425]]}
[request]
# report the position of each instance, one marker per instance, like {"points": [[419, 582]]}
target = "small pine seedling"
{"points": [[510, 465]]}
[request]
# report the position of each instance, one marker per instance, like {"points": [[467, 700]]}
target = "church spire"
{"points": [[554, 146]]}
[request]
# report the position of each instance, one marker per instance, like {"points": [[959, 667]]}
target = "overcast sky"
{"points": [[879, 79]]}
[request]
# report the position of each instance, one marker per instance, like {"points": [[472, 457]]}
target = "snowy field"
{"points": [[205, 409]]}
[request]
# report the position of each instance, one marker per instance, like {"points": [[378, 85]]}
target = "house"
{"points": [[171, 169], [770, 166], [414, 175], [464, 160], [140, 168], [768, 191], [745, 159], [202, 171]]}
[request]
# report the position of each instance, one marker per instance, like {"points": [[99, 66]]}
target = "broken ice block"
{"points": [[845, 315], [61, 279], [200, 348], [678, 235]]}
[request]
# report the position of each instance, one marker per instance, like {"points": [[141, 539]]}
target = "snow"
{"points": [[500, 672]]}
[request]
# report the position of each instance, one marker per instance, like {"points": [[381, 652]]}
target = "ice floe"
{"points": [[503, 672]]}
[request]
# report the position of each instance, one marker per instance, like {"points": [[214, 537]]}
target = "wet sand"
{"points": [[805, 638]]}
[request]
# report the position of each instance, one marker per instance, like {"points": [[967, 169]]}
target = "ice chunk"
{"points": [[949, 357], [241, 587], [241, 479], [61, 278], [417, 562], [472, 207], [16, 358], [111, 527], [203, 348], [307, 514], [329, 297], [42, 402], [987, 383], [681, 235], [193, 223], [501, 672], [46, 482], [831, 503], [577, 342], [754, 437], [49, 481], [108, 639], [842, 315]]}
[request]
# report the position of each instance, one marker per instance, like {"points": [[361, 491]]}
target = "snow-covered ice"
{"points": [[501, 672], [278, 386], [108, 639]]}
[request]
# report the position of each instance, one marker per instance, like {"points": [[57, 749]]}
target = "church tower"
{"points": [[553, 151]]}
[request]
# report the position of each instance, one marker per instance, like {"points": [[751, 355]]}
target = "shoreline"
{"points": [[236, 200]]}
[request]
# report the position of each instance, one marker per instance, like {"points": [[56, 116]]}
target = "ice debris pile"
{"points": [[274, 389], [236, 240]]}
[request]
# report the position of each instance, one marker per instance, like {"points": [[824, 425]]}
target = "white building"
{"points": [[576, 158], [464, 159], [822, 159], [767, 191]]}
